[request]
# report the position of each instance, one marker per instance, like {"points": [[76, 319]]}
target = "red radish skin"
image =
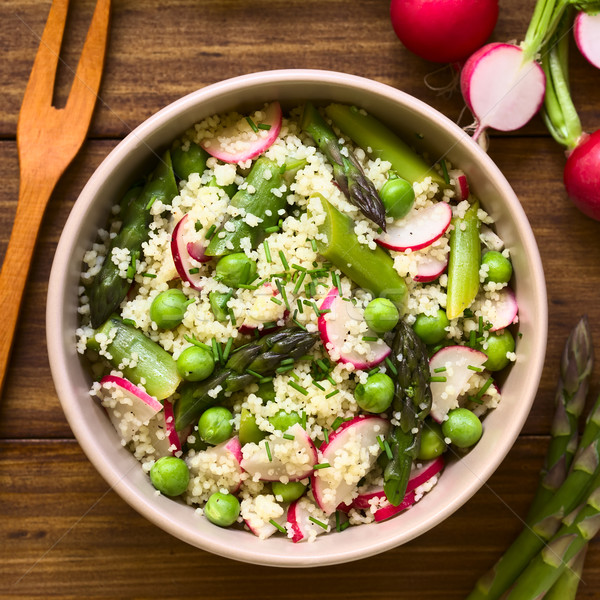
{"points": [[586, 31], [265, 530], [264, 139], [196, 251], [419, 229], [332, 327], [181, 256], [172, 434], [390, 510], [461, 185], [429, 269], [232, 448], [443, 30], [506, 310], [582, 175], [298, 518], [249, 328], [502, 89]]}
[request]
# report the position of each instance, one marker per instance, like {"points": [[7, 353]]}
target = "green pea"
{"points": [[498, 344], [499, 267], [432, 330], [284, 420], [215, 425], [376, 394], [168, 308], [397, 196], [381, 315], [266, 391], [222, 509], [195, 363], [170, 475], [235, 269], [462, 427], [432, 441], [288, 491], [249, 432]]}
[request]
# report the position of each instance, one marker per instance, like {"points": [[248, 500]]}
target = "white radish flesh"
{"points": [[181, 256], [429, 268], [299, 517], [490, 239], [587, 36], [419, 229], [230, 449], [452, 363], [335, 326], [502, 88], [505, 310]]}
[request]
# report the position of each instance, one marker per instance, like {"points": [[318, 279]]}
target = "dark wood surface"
{"points": [[63, 532]]}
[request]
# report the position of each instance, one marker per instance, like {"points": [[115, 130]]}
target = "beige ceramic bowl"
{"points": [[134, 156]]}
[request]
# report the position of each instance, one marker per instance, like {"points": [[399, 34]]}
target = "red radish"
{"points": [[429, 268], [386, 512], [582, 175], [502, 87], [230, 449], [334, 328], [283, 458], [263, 529], [226, 147], [419, 229], [490, 239], [133, 407], [461, 185], [181, 255], [587, 36], [357, 438], [451, 363], [492, 392], [196, 251], [506, 310], [172, 434], [299, 517], [443, 30]]}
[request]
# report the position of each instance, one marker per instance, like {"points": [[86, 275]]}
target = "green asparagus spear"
{"points": [[256, 199], [153, 364], [347, 172], [108, 288], [569, 495], [412, 398], [261, 357], [547, 566], [372, 270], [379, 142], [575, 369], [566, 585], [464, 263], [186, 162]]}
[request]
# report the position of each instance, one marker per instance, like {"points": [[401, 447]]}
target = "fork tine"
{"points": [[86, 82], [40, 86]]}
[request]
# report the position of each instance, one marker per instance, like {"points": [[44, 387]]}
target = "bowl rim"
{"points": [[56, 338]]}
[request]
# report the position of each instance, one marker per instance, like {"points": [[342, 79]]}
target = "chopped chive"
{"points": [[299, 324], [299, 303], [288, 436], [468, 312], [345, 526], [215, 350], [317, 522], [472, 339], [210, 232], [282, 169], [265, 380], [326, 435], [337, 520], [247, 286], [331, 380], [332, 393], [284, 296], [194, 270], [370, 338], [150, 203], [252, 124], [129, 322], [294, 377], [439, 370], [298, 388], [315, 308], [388, 450], [240, 347], [227, 350], [196, 342], [306, 357], [437, 380], [324, 465], [314, 245], [338, 421], [373, 371], [273, 229], [480, 325], [391, 366], [278, 526], [281, 370], [380, 442], [188, 302], [268, 449], [445, 171], [276, 301], [484, 388], [336, 280], [318, 385], [476, 369], [151, 275], [232, 317], [264, 126], [322, 366], [298, 267], [287, 361], [284, 261], [324, 312], [267, 251], [253, 373], [197, 226], [303, 418]]}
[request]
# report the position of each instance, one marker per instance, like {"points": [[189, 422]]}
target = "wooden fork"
{"points": [[47, 140]]}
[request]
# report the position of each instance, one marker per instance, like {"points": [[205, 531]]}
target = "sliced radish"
{"points": [[490, 239], [264, 530], [131, 408], [461, 185], [232, 146], [419, 229], [172, 434], [388, 511], [351, 453], [253, 510], [299, 517], [505, 310], [452, 362], [587, 36], [181, 255], [429, 268], [230, 449], [334, 328], [264, 311], [293, 459]]}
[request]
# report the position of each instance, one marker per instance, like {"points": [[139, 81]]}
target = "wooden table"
{"points": [[63, 532]]}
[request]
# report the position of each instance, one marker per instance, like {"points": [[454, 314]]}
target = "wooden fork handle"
{"points": [[33, 197]]}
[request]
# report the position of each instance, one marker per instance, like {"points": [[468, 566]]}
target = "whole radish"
{"points": [[582, 175], [444, 31]]}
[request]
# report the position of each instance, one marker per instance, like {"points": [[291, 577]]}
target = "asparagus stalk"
{"points": [[347, 172], [258, 359], [186, 162], [575, 369], [545, 569], [585, 469], [412, 398], [566, 585]]}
